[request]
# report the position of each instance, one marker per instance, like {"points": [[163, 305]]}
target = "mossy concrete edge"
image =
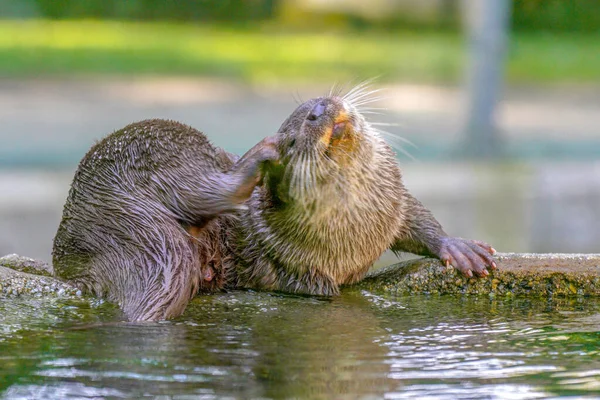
{"points": [[541, 275], [536, 275], [23, 276]]}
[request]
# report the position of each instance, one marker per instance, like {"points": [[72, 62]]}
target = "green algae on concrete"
{"points": [[539, 275]]}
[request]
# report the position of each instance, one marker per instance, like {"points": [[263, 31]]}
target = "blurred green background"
{"points": [[503, 117], [552, 41]]}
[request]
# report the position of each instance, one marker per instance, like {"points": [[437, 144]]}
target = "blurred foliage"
{"points": [[66, 47], [552, 40], [557, 15], [182, 10], [544, 15], [33, 48]]}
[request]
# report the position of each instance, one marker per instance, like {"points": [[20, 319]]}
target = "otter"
{"points": [[157, 214]]}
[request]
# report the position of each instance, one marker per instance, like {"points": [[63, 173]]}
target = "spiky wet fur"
{"points": [[319, 218]]}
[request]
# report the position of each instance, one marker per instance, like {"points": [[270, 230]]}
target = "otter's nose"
{"points": [[317, 111]]}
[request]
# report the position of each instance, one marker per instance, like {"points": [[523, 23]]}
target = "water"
{"points": [[246, 344]]}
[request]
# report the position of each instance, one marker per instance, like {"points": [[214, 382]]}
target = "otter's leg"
{"points": [[422, 234], [311, 282], [151, 280], [248, 171], [196, 195], [265, 274]]}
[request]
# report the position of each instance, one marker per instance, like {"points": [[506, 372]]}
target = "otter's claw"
{"points": [[468, 256]]}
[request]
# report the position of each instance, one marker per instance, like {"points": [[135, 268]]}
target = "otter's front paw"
{"points": [[250, 168], [468, 256]]}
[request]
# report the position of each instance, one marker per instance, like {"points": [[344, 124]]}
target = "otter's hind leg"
{"points": [[150, 281], [196, 196]]}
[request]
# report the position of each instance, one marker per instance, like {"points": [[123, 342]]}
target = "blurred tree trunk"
{"points": [[487, 29]]}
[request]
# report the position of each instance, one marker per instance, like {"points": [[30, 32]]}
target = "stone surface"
{"points": [[26, 264], [14, 281], [541, 275], [517, 274]]}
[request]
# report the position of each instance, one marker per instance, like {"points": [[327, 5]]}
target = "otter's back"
{"points": [[124, 184]]}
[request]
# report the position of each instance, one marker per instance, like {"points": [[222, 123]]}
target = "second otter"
{"points": [[156, 213]]}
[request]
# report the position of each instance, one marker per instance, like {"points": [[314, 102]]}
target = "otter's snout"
{"points": [[329, 120], [317, 111]]}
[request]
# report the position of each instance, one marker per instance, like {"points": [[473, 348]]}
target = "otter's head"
{"points": [[329, 151]]}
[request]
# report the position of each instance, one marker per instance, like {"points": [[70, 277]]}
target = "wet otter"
{"points": [[156, 213]]}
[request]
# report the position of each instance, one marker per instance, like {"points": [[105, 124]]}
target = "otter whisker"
{"points": [[386, 124], [340, 89], [368, 100], [297, 98], [332, 89], [363, 109], [335, 89], [305, 173], [397, 146], [309, 176], [394, 136], [369, 112], [309, 183], [299, 175], [296, 179], [365, 92], [356, 89], [359, 88]]}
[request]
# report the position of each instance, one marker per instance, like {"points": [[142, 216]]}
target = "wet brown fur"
{"points": [[156, 213]]}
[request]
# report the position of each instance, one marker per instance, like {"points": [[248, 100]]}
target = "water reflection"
{"points": [[261, 345]]}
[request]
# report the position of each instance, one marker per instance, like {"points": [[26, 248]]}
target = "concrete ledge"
{"points": [[16, 283], [517, 274], [26, 264], [540, 275], [21, 276]]}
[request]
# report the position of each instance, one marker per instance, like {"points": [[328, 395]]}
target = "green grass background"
{"points": [[66, 48]]}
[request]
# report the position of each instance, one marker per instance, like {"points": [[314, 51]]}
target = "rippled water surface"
{"points": [[261, 345]]}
